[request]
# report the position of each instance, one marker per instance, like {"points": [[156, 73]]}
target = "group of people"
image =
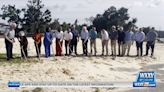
{"points": [[71, 36], [125, 39]]}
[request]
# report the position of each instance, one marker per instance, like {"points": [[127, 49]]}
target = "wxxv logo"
{"points": [[145, 79]]}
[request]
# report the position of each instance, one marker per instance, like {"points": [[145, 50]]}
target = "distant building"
{"points": [[2, 24], [3, 28], [160, 34]]}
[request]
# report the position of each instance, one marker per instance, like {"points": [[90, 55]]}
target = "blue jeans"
{"points": [[47, 50]]}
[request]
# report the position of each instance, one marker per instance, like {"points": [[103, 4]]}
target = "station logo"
{"points": [[145, 79]]}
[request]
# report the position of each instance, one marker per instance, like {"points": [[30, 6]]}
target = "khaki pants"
{"points": [[105, 45], [113, 47], [93, 45], [127, 47]]}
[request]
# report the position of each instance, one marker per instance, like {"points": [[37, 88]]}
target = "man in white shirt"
{"points": [[9, 40], [105, 39], [59, 41], [84, 38], [67, 37]]}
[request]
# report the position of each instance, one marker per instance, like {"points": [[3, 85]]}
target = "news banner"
{"points": [[144, 79]]}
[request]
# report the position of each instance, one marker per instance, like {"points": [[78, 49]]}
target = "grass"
{"points": [[37, 90], [97, 90], [16, 60], [34, 90]]}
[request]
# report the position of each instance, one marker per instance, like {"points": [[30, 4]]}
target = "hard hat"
{"points": [[21, 33]]}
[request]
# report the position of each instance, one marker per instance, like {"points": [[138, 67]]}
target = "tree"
{"points": [[65, 26], [11, 13], [55, 24], [35, 18], [130, 24], [100, 22], [111, 17], [146, 29], [89, 20]]}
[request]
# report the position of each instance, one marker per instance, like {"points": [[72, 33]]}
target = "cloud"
{"points": [[147, 3], [57, 7], [89, 1], [138, 3], [154, 3], [148, 12]]}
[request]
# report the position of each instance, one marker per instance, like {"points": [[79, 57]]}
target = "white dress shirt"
{"points": [[104, 35], [68, 36], [59, 35], [84, 35]]}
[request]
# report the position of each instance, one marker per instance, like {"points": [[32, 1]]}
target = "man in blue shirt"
{"points": [[75, 40], [150, 38], [139, 37], [128, 40], [93, 36]]}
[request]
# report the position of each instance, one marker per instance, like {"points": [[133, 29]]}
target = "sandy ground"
{"points": [[81, 68]]}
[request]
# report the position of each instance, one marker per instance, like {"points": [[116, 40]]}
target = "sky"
{"points": [[148, 12]]}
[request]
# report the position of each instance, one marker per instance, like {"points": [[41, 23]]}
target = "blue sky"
{"points": [[148, 12]]}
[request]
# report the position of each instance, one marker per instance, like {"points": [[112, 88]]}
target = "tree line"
{"points": [[35, 17]]}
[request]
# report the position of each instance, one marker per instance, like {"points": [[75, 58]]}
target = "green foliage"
{"points": [[65, 26], [38, 90], [35, 18], [55, 24], [111, 17], [146, 29], [97, 90], [10, 13]]}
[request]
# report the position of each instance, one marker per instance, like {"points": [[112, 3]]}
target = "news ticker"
{"points": [[69, 84], [144, 79]]}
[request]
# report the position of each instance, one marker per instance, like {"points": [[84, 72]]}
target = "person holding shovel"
{"points": [[38, 42], [75, 40], [23, 44], [59, 41], [68, 37], [47, 42], [84, 38]]}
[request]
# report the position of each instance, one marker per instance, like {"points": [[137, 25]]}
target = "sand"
{"points": [[81, 68]]}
